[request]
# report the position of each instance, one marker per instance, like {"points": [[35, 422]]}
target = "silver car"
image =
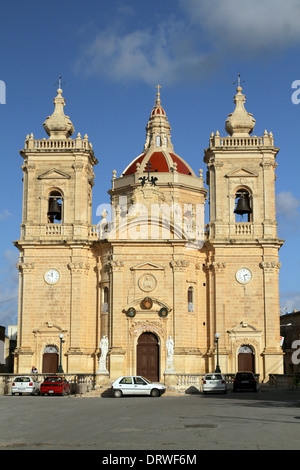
{"points": [[25, 384], [136, 385], [213, 383]]}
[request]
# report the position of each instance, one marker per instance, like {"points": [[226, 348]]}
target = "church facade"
{"points": [[151, 290]]}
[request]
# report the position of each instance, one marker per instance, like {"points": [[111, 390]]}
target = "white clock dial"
{"points": [[243, 275], [52, 276]]}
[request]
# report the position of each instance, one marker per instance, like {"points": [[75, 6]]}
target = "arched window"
{"points": [[105, 302], [55, 206], [243, 206], [190, 299], [157, 141]]}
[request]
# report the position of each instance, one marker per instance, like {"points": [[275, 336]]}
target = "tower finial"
{"points": [[59, 83], [58, 125], [240, 123], [238, 82], [158, 86]]}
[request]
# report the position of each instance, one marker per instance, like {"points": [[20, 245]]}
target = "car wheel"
{"points": [[118, 394], [155, 392]]}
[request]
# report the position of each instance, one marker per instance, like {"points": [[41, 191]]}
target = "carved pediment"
{"points": [[48, 327], [147, 267], [241, 173], [242, 327], [54, 174]]}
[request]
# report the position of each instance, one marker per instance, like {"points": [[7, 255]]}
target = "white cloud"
{"points": [[5, 214], [190, 45], [146, 55], [254, 27], [287, 205], [290, 301]]}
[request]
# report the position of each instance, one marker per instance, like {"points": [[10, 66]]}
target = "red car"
{"points": [[55, 385]]}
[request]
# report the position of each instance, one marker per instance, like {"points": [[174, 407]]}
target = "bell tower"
{"points": [[243, 244], [54, 244]]}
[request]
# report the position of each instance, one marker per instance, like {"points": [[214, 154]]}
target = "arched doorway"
{"points": [[246, 358], [50, 360], [148, 357]]}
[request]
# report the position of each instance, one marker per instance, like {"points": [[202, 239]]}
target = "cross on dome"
{"points": [[158, 86]]}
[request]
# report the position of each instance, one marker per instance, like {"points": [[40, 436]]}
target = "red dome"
{"points": [[158, 149], [161, 162]]}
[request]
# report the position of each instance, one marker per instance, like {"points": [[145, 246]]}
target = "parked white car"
{"points": [[213, 383], [25, 384], [136, 385]]}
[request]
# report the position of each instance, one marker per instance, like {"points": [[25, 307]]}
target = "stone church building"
{"points": [[151, 290]]}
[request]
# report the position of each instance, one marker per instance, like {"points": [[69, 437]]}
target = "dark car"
{"points": [[244, 381], [55, 385]]}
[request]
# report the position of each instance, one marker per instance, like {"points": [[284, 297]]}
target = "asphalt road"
{"points": [[266, 420]]}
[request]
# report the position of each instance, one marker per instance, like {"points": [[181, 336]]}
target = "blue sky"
{"points": [[111, 54]]}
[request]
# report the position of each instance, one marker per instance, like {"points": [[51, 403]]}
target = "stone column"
{"points": [[24, 350], [115, 335], [79, 271], [273, 354], [218, 268]]}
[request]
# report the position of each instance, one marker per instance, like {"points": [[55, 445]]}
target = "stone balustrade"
{"points": [[59, 144], [266, 141]]}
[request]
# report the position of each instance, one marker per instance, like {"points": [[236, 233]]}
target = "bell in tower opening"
{"points": [[54, 207], [243, 207]]}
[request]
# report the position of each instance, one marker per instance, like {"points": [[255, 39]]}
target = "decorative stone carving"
{"points": [[115, 265], [78, 267], [147, 282], [25, 267], [179, 264], [270, 265], [170, 354], [104, 345]]}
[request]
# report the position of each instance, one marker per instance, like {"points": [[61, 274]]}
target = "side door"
{"points": [[126, 385], [141, 386]]}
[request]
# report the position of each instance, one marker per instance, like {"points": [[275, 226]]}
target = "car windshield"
{"points": [[22, 379], [53, 379], [213, 377]]}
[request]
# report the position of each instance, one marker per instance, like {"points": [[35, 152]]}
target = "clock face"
{"points": [[244, 275], [52, 276]]}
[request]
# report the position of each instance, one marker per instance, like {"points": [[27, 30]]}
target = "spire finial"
{"points": [[58, 125], [240, 123], [158, 86], [59, 83], [238, 82]]}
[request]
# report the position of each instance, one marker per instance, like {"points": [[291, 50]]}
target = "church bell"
{"points": [[54, 211], [243, 205]]}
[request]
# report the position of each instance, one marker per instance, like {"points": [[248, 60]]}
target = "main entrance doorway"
{"points": [[246, 359], [148, 357], [50, 360]]}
